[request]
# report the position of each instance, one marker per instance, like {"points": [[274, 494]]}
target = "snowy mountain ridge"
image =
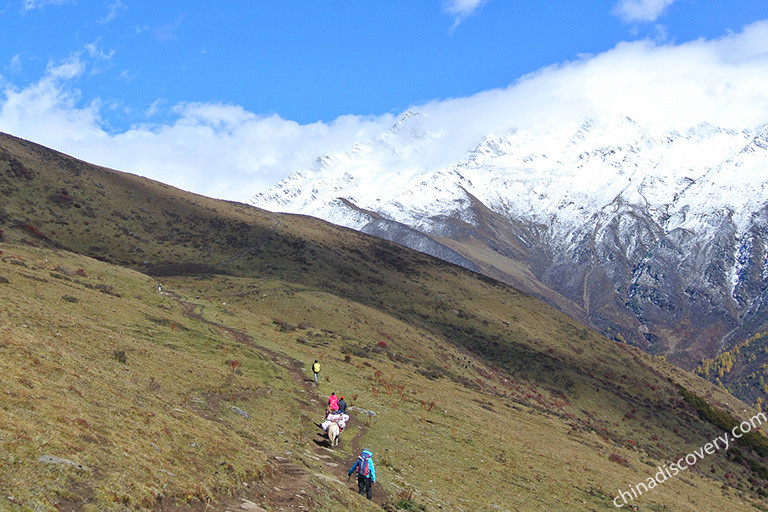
{"points": [[636, 229]]}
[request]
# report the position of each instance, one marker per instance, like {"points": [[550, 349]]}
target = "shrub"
{"points": [[32, 229], [61, 197], [432, 372], [724, 421], [428, 406], [284, 326], [403, 502], [120, 356], [105, 288], [618, 459]]}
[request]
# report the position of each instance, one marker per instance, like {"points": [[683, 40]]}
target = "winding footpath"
{"points": [[286, 489]]}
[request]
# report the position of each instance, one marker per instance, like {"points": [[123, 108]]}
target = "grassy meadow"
{"points": [[471, 395], [104, 371]]}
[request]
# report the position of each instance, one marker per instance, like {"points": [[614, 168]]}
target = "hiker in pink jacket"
{"points": [[333, 402]]}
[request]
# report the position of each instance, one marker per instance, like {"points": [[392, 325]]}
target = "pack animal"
{"points": [[333, 434]]}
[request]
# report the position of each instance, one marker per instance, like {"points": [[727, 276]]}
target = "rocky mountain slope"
{"points": [[653, 236]]}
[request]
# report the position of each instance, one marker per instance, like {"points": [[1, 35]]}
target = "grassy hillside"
{"points": [[144, 402], [484, 398]]}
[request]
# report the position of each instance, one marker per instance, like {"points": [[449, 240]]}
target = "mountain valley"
{"points": [[472, 394], [653, 236]]}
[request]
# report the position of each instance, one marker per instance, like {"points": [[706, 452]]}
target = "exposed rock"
{"points": [[241, 412], [50, 459], [364, 411], [251, 506]]}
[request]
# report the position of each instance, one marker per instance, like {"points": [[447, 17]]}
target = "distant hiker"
{"points": [[160, 287], [316, 370], [333, 402], [634, 508], [342, 405], [366, 473]]}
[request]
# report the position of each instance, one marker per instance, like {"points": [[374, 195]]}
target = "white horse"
{"points": [[333, 434]]}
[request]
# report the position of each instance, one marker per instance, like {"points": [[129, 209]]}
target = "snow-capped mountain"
{"points": [[657, 237]]}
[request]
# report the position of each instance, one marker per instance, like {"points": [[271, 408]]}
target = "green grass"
{"points": [[456, 437], [161, 423], [485, 398], [156, 422]]}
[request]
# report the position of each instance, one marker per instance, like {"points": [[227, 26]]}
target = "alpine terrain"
{"points": [[653, 236], [156, 350]]}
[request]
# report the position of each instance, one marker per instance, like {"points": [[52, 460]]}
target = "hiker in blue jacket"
{"points": [[366, 473]]}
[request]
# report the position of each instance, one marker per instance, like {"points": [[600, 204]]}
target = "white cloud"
{"points": [[16, 65], [45, 110], [460, 9], [114, 9], [69, 68], [29, 5], [661, 87], [227, 152], [155, 108], [127, 76], [641, 10], [94, 51], [170, 30], [224, 151], [214, 149]]}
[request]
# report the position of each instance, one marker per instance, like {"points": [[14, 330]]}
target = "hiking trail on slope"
{"points": [[287, 488]]}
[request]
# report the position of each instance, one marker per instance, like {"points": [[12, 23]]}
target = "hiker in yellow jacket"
{"points": [[316, 369]]}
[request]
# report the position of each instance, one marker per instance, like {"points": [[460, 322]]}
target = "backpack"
{"points": [[362, 465], [316, 368]]}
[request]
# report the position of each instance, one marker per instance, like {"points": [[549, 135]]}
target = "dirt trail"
{"points": [[287, 489]]}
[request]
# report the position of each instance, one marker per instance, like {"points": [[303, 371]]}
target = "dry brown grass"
{"points": [[465, 435], [484, 397], [468, 440], [158, 426]]}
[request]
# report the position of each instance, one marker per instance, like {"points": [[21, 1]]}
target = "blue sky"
{"points": [[161, 89]]}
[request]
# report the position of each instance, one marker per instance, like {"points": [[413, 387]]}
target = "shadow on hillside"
{"points": [[323, 442]]}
